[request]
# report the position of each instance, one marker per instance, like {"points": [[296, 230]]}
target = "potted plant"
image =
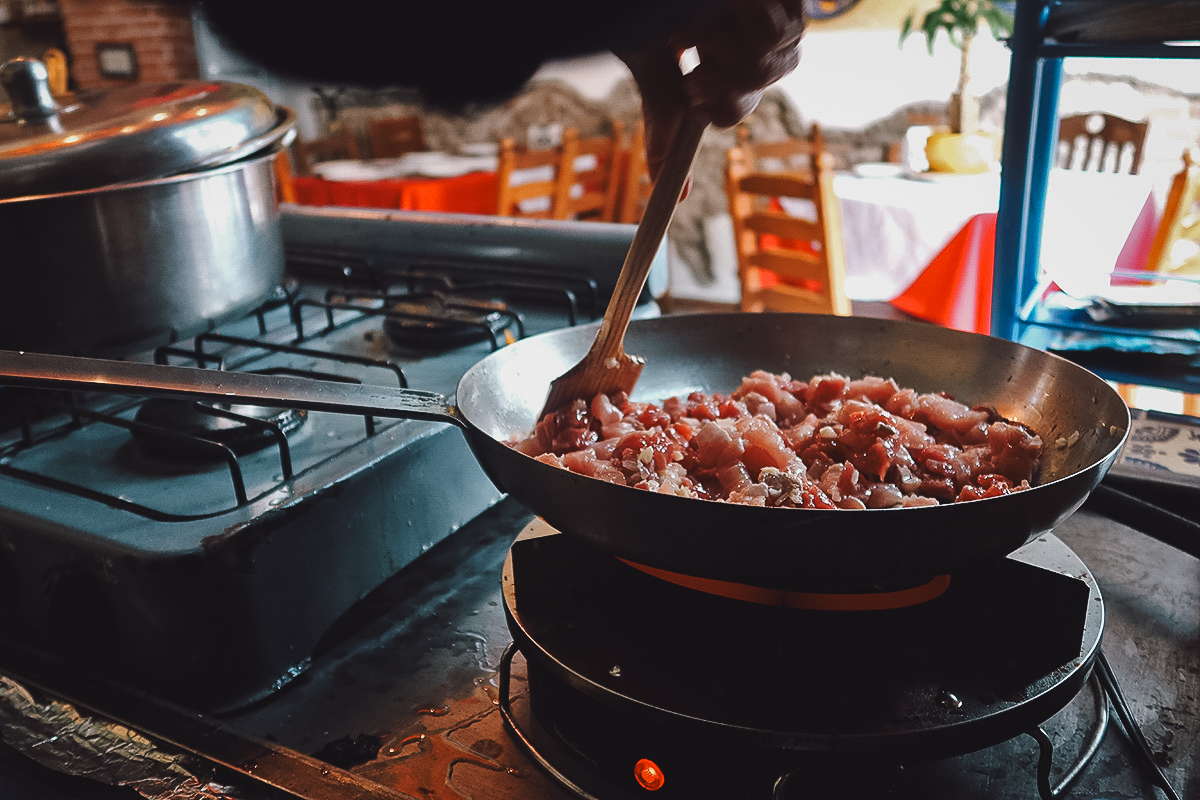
{"points": [[962, 148]]}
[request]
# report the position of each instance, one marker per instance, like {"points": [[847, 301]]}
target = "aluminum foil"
{"points": [[56, 735]]}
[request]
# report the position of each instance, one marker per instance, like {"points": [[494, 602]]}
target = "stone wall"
{"points": [[540, 103]]}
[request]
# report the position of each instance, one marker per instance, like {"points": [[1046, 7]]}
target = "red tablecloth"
{"points": [[955, 289], [474, 193]]}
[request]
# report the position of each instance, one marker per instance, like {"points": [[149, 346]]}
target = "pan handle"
{"points": [[70, 373]]}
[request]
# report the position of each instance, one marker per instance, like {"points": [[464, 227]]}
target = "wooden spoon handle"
{"points": [[606, 368], [660, 207]]}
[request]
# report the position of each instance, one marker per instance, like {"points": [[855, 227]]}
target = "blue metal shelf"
{"points": [[1044, 33]]}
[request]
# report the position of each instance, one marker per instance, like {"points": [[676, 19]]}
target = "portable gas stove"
{"points": [[357, 614], [661, 687], [145, 536]]}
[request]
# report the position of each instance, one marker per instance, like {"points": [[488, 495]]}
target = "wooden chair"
{"points": [[342, 144], [635, 181], [1100, 143], [56, 65], [592, 191], [785, 262], [1176, 246], [285, 189], [531, 183], [1151, 397], [390, 137]]}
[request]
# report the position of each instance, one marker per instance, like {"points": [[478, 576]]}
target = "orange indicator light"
{"points": [[648, 775]]}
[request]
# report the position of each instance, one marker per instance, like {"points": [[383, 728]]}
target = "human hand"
{"points": [[743, 48]]}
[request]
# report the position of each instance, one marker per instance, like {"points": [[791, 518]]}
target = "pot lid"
{"points": [[126, 134]]}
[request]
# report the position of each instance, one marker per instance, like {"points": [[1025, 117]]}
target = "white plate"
{"points": [[453, 166], [878, 170], [945, 177], [479, 149], [1172, 303], [409, 165], [1167, 293], [346, 170]]}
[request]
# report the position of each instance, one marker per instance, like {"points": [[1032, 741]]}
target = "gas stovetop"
{"points": [[135, 550]]}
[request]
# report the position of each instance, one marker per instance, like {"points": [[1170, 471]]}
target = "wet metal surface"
{"points": [[403, 692], [418, 671]]}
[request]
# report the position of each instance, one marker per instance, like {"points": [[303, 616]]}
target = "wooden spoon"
{"points": [[607, 368]]}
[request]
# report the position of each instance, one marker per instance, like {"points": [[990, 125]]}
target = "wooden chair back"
{"points": [[341, 144], [285, 189], [592, 188], [56, 67], [1176, 246], [635, 180], [1100, 143], [531, 183], [785, 262], [390, 137]]}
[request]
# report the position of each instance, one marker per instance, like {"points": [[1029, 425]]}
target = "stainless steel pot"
{"points": [[117, 270], [153, 218]]}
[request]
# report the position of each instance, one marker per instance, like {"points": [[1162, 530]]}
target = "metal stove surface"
{"points": [[200, 502], [431, 703], [160, 559]]}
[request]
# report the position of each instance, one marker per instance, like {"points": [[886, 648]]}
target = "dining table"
{"points": [[424, 181], [925, 241], [461, 183]]}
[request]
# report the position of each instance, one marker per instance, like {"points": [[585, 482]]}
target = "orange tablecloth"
{"points": [[955, 289], [474, 193]]}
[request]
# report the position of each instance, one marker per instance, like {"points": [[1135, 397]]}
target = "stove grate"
{"points": [[577, 296], [75, 416]]}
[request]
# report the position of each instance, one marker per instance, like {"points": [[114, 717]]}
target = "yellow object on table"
{"points": [[962, 153]]}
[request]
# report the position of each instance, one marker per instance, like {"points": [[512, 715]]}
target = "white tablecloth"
{"points": [[426, 164], [894, 226]]}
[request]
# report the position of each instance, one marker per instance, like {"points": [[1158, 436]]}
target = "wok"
{"points": [[1081, 419]]}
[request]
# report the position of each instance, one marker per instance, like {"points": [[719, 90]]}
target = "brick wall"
{"points": [[160, 32]]}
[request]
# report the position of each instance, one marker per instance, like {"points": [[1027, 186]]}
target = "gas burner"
{"points": [[633, 679], [283, 294], [186, 429], [435, 319]]}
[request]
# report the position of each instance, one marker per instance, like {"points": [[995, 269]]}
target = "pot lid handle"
{"points": [[27, 82]]}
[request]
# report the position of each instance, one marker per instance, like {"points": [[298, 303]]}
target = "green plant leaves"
{"points": [[960, 19]]}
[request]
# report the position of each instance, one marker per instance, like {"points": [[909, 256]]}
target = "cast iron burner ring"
{"points": [[623, 666], [436, 319], [170, 427]]}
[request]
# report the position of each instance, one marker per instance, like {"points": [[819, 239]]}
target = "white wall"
{"points": [[851, 78]]}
